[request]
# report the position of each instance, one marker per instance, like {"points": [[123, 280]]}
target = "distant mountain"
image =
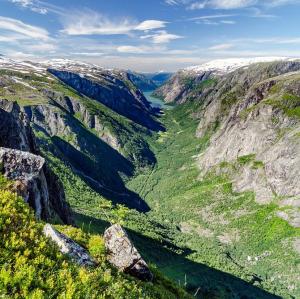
{"points": [[143, 82], [178, 87], [158, 78]]}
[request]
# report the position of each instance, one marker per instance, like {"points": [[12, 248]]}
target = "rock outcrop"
{"points": [[51, 118], [67, 246], [22, 163], [123, 255]]}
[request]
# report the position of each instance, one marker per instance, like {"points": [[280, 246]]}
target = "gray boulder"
{"points": [[123, 255], [67, 246]]}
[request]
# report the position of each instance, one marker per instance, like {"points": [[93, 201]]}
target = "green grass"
{"points": [[31, 266], [288, 103]]}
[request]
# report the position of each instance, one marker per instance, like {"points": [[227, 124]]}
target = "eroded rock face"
{"points": [[179, 87], [123, 255], [67, 246], [22, 163], [55, 121]]}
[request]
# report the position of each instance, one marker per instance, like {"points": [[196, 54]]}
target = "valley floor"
{"points": [[214, 242]]}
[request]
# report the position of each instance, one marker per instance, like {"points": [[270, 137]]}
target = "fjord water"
{"points": [[155, 102]]}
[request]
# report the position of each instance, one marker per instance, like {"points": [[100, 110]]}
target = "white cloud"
{"points": [[132, 49], [197, 5], [221, 47], [161, 37], [230, 4], [22, 30], [274, 3], [89, 54], [228, 22], [32, 5], [218, 16], [90, 23], [221, 4], [150, 25]]}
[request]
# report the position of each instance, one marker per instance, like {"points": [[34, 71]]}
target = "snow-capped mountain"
{"points": [[223, 66]]}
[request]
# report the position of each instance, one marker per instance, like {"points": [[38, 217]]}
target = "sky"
{"points": [[149, 35]]}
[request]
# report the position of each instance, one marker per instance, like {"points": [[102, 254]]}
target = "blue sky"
{"points": [[149, 35]]}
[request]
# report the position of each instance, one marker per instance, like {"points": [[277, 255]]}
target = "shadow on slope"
{"points": [[198, 278], [103, 174], [97, 163]]}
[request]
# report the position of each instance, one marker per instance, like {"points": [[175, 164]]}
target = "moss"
{"points": [[243, 160], [257, 164]]}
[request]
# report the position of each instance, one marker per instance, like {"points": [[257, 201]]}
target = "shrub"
{"points": [[32, 267]]}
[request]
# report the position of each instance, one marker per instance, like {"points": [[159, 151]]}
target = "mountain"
{"points": [[141, 81], [91, 128], [46, 159], [246, 154], [178, 88], [207, 190], [158, 78]]}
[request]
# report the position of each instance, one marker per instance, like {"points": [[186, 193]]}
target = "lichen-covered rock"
{"points": [[67, 246], [123, 255]]}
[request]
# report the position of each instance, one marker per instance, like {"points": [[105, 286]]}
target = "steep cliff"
{"points": [[257, 134], [33, 178]]}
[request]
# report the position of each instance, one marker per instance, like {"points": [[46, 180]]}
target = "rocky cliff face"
{"points": [[33, 179], [256, 143], [190, 83]]}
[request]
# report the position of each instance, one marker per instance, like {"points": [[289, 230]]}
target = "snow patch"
{"points": [[224, 66]]}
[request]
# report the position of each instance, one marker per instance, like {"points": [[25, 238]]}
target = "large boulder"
{"points": [[67, 246], [123, 255]]}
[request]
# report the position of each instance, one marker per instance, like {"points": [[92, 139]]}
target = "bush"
{"points": [[32, 267], [96, 246]]}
